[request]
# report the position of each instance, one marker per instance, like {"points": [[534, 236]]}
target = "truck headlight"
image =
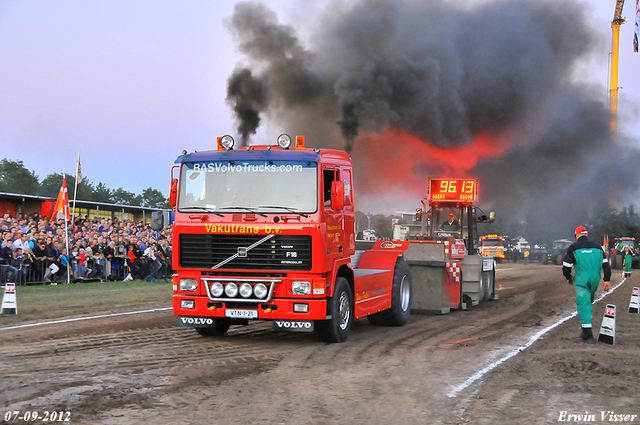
{"points": [[188, 285], [245, 290], [260, 290], [188, 304], [301, 287], [231, 289], [217, 289]]}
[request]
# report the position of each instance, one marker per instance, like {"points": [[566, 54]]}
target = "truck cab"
{"points": [[268, 232], [492, 246], [616, 256]]}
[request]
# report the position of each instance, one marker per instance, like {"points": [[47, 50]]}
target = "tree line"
{"points": [[605, 220], [15, 178]]}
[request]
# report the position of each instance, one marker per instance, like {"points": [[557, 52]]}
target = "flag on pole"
{"points": [[75, 189], [636, 32], [78, 169], [62, 204]]}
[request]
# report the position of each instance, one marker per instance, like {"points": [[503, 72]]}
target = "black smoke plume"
{"points": [[284, 80], [248, 98], [445, 72]]}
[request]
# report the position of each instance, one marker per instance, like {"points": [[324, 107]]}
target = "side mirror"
{"points": [[157, 220], [173, 193], [337, 195]]}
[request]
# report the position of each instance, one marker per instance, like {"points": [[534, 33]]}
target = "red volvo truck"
{"points": [[268, 233]]}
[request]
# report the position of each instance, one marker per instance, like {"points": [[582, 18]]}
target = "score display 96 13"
{"points": [[453, 190]]}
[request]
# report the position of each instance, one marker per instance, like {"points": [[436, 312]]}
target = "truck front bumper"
{"points": [[276, 309]]}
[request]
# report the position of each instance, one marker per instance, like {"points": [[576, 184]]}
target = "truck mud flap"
{"points": [[294, 325], [195, 322]]}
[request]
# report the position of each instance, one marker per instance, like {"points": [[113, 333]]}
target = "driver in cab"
{"points": [[451, 225]]}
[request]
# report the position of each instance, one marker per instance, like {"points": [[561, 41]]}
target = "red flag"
{"points": [[62, 204], [636, 32]]}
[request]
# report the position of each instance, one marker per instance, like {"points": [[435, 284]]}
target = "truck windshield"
{"points": [[491, 242], [630, 244], [561, 245], [446, 220], [249, 186]]}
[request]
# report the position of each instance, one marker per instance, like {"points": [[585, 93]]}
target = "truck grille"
{"points": [[280, 252]]}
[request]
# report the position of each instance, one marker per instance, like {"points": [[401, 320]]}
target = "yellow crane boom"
{"points": [[615, 47]]}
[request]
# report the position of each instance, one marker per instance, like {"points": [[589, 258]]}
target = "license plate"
{"points": [[487, 264], [242, 314]]}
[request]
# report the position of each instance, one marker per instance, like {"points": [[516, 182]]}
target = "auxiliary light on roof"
{"points": [[284, 141], [227, 142]]}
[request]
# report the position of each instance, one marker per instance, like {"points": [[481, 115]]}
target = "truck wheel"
{"points": [[482, 286], [491, 284], [618, 261], [400, 295], [485, 287], [337, 328], [612, 261], [401, 291], [558, 260], [219, 328]]}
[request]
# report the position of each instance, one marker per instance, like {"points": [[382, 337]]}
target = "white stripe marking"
{"points": [[517, 350], [83, 318]]}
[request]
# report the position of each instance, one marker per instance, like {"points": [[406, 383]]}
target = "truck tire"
{"points": [[491, 288], [337, 328], [401, 293], [619, 261], [483, 286], [219, 328], [612, 261], [491, 284], [558, 259]]}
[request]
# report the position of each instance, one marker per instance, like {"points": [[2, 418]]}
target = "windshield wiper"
{"points": [[251, 209], [290, 209], [203, 209]]}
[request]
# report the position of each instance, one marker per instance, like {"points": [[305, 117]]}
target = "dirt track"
{"points": [[143, 368]]}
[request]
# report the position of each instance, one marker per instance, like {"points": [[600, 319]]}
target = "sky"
{"points": [[130, 84]]}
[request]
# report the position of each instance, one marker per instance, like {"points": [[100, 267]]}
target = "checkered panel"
{"points": [[453, 268], [447, 248]]}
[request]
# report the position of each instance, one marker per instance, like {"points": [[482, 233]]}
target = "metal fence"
{"points": [[43, 272]]}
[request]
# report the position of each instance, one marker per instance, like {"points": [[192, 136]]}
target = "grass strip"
{"points": [[56, 301]]}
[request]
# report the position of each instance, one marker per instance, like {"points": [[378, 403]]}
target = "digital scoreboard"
{"points": [[453, 190]]}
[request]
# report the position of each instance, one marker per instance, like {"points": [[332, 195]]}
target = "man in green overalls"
{"points": [[588, 258], [628, 258]]}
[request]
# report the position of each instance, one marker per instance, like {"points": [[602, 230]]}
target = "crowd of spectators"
{"points": [[34, 250]]}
